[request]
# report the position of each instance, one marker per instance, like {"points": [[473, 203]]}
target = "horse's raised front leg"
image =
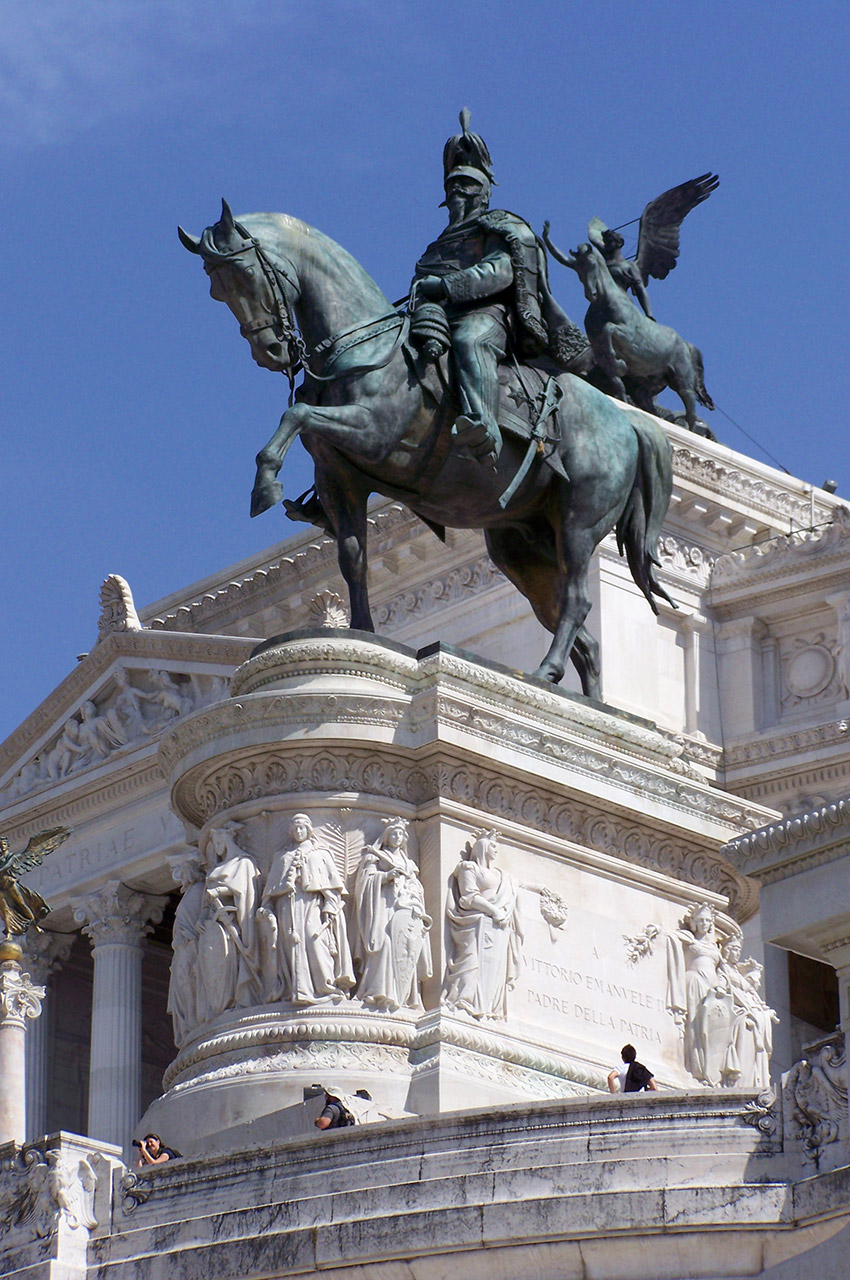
{"points": [[344, 500], [268, 491], [343, 426]]}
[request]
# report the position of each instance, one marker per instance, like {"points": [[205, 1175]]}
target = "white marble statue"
{"points": [[693, 957], [186, 1004], [484, 932], [228, 961], [392, 943], [747, 1062], [304, 945], [714, 997]]}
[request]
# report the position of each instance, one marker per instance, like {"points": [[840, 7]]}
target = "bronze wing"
{"points": [[658, 237], [37, 850]]}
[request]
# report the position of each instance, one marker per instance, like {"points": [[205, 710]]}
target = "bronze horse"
{"points": [[374, 418]]}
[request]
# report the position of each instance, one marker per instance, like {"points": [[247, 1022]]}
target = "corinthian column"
{"points": [[19, 1000], [116, 920], [44, 953]]}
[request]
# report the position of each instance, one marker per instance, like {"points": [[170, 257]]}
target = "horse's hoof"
{"points": [[548, 672], [265, 495]]}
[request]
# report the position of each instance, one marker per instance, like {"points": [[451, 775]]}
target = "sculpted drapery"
{"points": [[392, 925], [227, 950], [484, 932], [302, 928], [714, 996]]}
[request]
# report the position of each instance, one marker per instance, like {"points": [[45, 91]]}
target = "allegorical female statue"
{"points": [[186, 1004], [693, 957], [484, 932], [747, 1063], [392, 925], [227, 950], [305, 949]]}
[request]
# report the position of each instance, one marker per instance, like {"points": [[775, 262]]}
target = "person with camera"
{"points": [[152, 1150]]}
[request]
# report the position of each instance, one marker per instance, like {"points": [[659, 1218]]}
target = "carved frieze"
{"points": [[136, 707]]}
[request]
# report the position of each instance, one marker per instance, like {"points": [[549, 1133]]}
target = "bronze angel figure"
{"points": [[658, 237], [20, 907]]}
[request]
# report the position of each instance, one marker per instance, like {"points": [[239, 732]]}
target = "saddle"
{"points": [[529, 396]]}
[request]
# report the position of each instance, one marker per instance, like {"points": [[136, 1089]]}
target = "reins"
{"points": [[299, 357]]}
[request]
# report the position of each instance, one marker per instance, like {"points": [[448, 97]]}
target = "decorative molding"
{"points": [[761, 1112], [685, 560], [816, 1089], [456, 584], [777, 746], [761, 495], [44, 1187], [803, 842], [786, 553], [272, 773]]}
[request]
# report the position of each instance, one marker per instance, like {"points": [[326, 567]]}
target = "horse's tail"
{"points": [[639, 527], [701, 393]]}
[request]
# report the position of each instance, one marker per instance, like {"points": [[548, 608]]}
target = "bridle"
{"points": [[282, 320]]}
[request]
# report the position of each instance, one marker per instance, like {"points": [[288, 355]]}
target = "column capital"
{"points": [[20, 998], [117, 915], [44, 951]]}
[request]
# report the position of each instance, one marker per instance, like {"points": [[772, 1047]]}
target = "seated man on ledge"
{"points": [[634, 1076]]}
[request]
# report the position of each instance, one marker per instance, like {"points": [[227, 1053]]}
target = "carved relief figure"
{"points": [[124, 720], [67, 752], [748, 1057], [167, 695], [392, 925], [305, 949], [185, 1002], [227, 952], [714, 996], [484, 932]]}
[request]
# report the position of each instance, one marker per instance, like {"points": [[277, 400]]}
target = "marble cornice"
{"points": [[66, 697], [822, 550], [97, 796], [793, 846], [778, 747]]}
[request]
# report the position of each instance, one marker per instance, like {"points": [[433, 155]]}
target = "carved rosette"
{"points": [[20, 998]]}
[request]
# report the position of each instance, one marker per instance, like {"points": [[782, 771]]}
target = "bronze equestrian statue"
{"points": [[544, 463]]}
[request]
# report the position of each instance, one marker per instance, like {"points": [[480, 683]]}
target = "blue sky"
{"points": [[131, 409]]}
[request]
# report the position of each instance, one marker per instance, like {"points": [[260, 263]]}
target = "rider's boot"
{"points": [[483, 443]]}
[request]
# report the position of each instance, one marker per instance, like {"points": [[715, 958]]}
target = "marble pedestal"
{"points": [[608, 838]]}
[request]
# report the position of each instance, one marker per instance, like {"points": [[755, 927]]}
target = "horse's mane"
{"points": [[272, 228]]}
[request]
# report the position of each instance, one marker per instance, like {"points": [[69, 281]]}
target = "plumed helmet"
{"points": [[465, 155]]}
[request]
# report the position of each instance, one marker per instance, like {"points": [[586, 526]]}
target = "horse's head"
{"points": [[590, 267], [259, 288]]}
